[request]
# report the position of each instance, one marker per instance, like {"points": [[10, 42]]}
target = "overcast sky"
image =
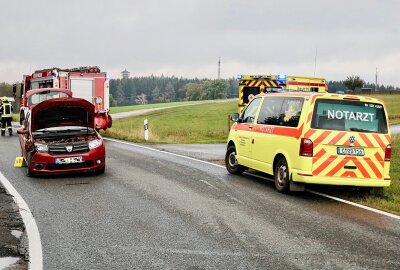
{"points": [[185, 38]]}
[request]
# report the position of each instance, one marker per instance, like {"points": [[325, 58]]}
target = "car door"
{"points": [[244, 128]]}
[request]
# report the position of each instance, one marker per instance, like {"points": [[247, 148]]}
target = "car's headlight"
{"points": [[94, 144], [41, 147]]}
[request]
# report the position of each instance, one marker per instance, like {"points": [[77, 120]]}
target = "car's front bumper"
{"points": [[44, 163]]}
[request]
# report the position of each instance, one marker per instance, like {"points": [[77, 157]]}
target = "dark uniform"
{"points": [[6, 110]]}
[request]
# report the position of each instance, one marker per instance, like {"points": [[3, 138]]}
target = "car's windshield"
{"points": [[349, 115], [42, 96]]}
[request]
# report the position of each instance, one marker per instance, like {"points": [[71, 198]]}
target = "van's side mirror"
{"points": [[22, 131], [235, 117]]}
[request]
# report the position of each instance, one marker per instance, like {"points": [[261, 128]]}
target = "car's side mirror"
{"points": [[22, 131], [235, 117]]}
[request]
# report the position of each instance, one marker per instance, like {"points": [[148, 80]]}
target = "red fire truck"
{"points": [[88, 83]]}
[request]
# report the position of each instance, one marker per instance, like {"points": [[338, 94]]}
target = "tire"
{"points": [[231, 162], [282, 176]]}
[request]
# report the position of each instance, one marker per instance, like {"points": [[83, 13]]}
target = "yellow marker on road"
{"points": [[19, 162]]}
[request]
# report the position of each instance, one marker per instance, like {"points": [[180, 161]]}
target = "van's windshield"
{"points": [[349, 115]]}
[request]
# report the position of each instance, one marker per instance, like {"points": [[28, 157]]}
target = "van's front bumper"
{"points": [[308, 178]]}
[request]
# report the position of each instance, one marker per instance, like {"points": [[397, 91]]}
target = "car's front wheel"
{"points": [[231, 163]]}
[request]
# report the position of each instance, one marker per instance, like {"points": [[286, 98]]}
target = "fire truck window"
{"points": [[251, 110], [270, 113], [250, 92], [291, 111]]}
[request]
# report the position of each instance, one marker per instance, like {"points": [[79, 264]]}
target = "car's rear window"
{"points": [[349, 115]]}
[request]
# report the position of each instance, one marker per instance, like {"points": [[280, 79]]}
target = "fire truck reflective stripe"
{"points": [[371, 164], [366, 140], [337, 138], [388, 138], [349, 174], [324, 165], [309, 133], [273, 83]]}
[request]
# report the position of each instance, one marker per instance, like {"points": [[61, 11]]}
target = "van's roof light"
{"points": [[281, 77]]}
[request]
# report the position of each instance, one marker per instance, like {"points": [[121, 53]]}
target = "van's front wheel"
{"points": [[231, 163], [281, 175]]}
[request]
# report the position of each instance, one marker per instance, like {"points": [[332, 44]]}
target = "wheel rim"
{"points": [[232, 160], [281, 175]]}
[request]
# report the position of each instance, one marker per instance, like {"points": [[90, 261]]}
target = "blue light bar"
{"points": [[281, 77]]}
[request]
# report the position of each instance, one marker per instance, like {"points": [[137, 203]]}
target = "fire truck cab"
{"points": [[88, 83], [252, 85]]}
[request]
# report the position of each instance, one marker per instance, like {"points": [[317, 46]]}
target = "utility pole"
{"points": [[315, 60], [376, 80], [219, 68]]}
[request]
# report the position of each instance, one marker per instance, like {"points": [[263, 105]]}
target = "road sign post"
{"points": [[146, 129]]}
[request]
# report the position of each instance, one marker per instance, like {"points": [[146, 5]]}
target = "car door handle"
{"points": [[250, 127]]}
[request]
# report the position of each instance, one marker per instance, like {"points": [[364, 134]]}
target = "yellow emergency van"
{"points": [[252, 85], [315, 138]]}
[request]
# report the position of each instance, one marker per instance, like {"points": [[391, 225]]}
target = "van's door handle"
{"points": [[250, 127]]}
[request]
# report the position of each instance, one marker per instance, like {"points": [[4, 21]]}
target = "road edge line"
{"points": [[262, 177], [32, 231], [354, 204]]}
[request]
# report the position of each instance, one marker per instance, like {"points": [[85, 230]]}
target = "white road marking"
{"points": [[354, 204], [209, 184], [32, 231], [261, 177]]}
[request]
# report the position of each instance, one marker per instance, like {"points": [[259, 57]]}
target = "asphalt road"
{"points": [[153, 210]]}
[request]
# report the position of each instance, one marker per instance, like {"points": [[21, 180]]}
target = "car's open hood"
{"points": [[62, 112]]}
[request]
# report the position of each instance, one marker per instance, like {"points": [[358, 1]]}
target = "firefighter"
{"points": [[6, 110]]}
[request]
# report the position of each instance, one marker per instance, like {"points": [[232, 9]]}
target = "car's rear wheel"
{"points": [[231, 163], [282, 176]]}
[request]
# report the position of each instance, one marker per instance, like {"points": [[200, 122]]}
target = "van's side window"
{"points": [[291, 111], [270, 113], [251, 110]]}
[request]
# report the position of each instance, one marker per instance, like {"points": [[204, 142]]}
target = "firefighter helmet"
{"points": [[4, 99]]}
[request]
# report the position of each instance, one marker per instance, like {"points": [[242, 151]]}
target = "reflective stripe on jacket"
{"points": [[7, 110]]}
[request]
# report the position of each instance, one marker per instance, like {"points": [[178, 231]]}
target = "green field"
{"points": [[151, 106], [392, 103], [203, 123]]}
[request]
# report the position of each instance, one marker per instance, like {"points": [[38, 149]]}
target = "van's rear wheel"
{"points": [[231, 163], [281, 175]]}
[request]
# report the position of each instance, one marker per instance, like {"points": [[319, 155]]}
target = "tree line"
{"points": [[153, 89], [158, 89]]}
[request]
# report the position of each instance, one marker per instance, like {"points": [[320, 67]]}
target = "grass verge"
{"points": [[152, 106], [203, 123], [390, 201]]}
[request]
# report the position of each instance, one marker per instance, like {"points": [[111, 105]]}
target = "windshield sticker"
{"points": [[348, 115]]}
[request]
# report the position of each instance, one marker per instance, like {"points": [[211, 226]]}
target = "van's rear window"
{"points": [[349, 116]]}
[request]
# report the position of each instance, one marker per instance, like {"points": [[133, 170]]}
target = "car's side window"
{"points": [[250, 112], [291, 111], [270, 113]]}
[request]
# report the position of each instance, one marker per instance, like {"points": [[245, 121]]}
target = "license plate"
{"points": [[350, 151], [69, 160]]}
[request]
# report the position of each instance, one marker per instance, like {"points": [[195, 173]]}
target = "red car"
{"points": [[58, 136]]}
